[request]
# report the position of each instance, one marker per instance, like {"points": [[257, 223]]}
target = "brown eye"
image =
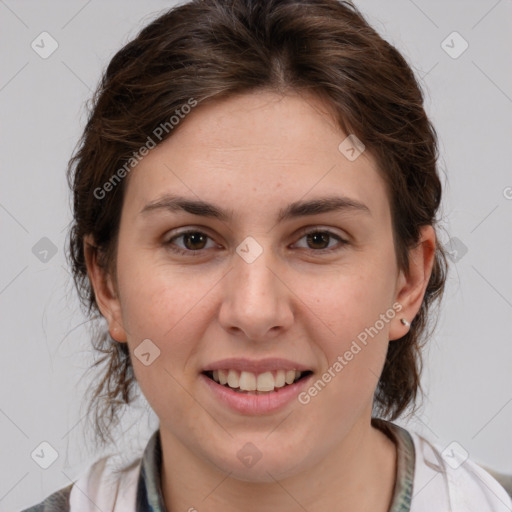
{"points": [[194, 240], [319, 241], [318, 238], [193, 243]]}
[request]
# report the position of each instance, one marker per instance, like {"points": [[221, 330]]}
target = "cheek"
{"points": [[352, 299], [162, 307], [357, 308], [164, 314], [157, 299]]}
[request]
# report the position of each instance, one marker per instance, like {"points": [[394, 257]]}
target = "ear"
{"points": [[105, 291], [410, 289]]}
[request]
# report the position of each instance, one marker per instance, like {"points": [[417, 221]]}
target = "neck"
{"points": [[357, 475]]}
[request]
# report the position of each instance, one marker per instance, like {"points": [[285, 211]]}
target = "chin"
{"points": [[252, 465]]}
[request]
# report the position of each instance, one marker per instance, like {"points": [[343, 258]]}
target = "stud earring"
{"points": [[405, 322], [114, 333]]}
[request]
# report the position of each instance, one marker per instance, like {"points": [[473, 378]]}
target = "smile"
{"points": [[255, 384], [269, 396]]}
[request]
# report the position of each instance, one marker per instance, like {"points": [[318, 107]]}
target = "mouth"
{"points": [[250, 383]]}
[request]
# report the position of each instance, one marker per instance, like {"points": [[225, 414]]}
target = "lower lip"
{"points": [[256, 404]]}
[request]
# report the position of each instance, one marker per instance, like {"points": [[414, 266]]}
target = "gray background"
{"points": [[45, 344]]}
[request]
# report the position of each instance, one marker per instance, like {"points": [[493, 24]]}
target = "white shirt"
{"points": [[428, 479]]}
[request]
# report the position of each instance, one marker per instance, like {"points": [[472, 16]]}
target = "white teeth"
{"points": [[280, 379], [266, 382], [290, 376], [233, 379], [248, 381], [223, 377]]}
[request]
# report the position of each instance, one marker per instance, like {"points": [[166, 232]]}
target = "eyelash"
{"points": [[189, 252]]}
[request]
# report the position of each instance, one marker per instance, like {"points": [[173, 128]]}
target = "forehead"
{"points": [[256, 149]]}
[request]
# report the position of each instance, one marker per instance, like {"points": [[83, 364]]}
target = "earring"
{"points": [[405, 322], [114, 333]]}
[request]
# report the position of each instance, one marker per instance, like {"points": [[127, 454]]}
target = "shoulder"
{"points": [[56, 502], [445, 478], [105, 483]]}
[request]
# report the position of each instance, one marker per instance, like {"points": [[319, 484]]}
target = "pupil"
{"points": [[316, 236], [196, 238]]}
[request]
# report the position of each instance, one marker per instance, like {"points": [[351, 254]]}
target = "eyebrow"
{"points": [[174, 203]]}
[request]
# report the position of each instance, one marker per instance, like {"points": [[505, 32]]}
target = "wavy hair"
{"points": [[213, 49]]}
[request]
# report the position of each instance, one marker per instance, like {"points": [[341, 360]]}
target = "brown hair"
{"points": [[212, 49]]}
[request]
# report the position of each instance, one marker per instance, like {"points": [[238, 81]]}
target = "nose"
{"points": [[257, 301]]}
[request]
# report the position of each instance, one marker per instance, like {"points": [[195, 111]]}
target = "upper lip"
{"points": [[255, 366]]}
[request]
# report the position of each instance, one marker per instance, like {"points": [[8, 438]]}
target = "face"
{"points": [[260, 281]]}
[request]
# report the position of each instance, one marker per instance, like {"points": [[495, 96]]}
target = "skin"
{"points": [[253, 154]]}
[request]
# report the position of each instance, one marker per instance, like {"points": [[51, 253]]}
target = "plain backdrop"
{"points": [[44, 337]]}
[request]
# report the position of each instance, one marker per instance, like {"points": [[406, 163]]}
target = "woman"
{"points": [[255, 201]]}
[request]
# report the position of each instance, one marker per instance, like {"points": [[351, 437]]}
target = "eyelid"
{"points": [[185, 231], [304, 231], [308, 230], [314, 228]]}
